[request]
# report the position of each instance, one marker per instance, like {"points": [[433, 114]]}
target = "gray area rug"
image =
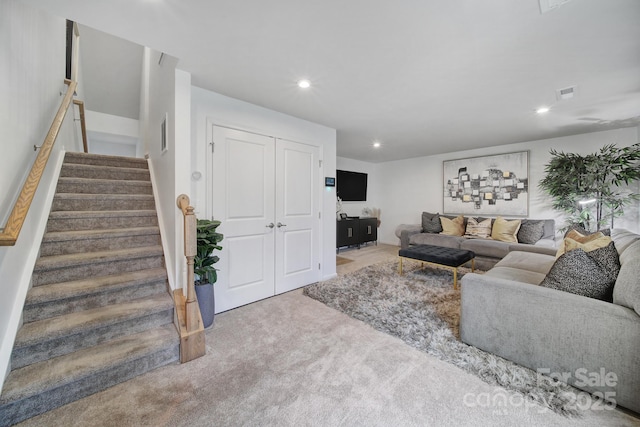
{"points": [[423, 310]]}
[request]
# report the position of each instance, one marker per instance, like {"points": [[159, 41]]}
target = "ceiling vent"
{"points": [[566, 93], [548, 5]]}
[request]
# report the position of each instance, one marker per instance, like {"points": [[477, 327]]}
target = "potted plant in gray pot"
{"points": [[205, 273]]}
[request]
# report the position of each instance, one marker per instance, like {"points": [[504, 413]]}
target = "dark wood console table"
{"points": [[354, 231]]}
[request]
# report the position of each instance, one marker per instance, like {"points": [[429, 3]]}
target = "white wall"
{"points": [[182, 176], [409, 187], [99, 144], [32, 67], [371, 169], [112, 135], [230, 112], [110, 124], [161, 103]]}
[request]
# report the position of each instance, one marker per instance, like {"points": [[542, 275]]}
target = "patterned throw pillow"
{"points": [[600, 242], [583, 238], [608, 260], [478, 230], [530, 231], [590, 274], [505, 231], [576, 227], [452, 227], [580, 229], [431, 223], [587, 243]]}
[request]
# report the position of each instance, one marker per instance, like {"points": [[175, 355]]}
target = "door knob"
{"points": [[270, 225], [281, 225]]}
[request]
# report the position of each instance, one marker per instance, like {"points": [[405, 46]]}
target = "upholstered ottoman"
{"points": [[445, 257]]}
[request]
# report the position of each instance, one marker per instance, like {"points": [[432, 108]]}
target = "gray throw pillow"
{"points": [[590, 274], [431, 222], [530, 231]]}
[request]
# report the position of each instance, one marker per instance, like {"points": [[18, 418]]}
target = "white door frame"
{"points": [[209, 146]]}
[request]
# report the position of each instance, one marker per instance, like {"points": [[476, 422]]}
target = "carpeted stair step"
{"points": [[64, 268], [98, 312], [102, 202], [104, 160], [67, 297], [56, 336], [102, 186], [43, 386], [103, 172], [72, 242], [100, 220]]}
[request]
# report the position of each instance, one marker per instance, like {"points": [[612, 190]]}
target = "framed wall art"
{"points": [[488, 185]]}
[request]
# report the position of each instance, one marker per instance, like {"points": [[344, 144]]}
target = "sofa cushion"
{"points": [[452, 227], [530, 231], [431, 222], [542, 246], [517, 274], [436, 239], [623, 239], [477, 228], [411, 228], [486, 247], [549, 229], [539, 263], [627, 289], [591, 274], [505, 231]]}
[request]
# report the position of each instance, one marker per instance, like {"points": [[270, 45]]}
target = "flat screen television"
{"points": [[352, 186]]}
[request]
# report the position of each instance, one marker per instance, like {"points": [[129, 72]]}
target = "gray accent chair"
{"points": [[506, 313]]}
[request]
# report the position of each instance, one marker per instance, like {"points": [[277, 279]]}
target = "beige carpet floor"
{"points": [[292, 361]]}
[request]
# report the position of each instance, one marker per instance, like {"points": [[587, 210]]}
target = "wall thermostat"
{"points": [[329, 182]]}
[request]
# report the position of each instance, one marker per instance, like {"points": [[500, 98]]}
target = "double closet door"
{"points": [[265, 190]]}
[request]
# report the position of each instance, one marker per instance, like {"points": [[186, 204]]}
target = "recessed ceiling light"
{"points": [[304, 84], [376, 144], [542, 110]]}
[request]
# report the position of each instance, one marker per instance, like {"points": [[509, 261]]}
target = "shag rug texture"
{"points": [[423, 310]]}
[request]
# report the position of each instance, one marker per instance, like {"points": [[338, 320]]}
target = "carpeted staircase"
{"points": [[99, 311]]}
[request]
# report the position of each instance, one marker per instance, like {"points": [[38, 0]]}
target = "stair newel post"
{"points": [[190, 248], [192, 343]]}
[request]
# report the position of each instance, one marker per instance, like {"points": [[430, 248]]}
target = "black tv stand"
{"points": [[355, 231]]}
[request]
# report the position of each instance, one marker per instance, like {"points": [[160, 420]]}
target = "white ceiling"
{"points": [[420, 76]]}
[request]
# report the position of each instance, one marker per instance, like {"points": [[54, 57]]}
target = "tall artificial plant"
{"points": [[589, 189], [207, 242]]}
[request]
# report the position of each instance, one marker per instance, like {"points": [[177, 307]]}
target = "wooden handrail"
{"points": [[83, 125], [11, 231], [192, 343]]}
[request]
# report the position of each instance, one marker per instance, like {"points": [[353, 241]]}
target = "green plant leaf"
{"points": [[207, 240], [570, 177]]}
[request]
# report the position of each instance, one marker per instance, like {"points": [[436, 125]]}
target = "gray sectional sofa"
{"points": [[488, 252], [593, 344]]}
